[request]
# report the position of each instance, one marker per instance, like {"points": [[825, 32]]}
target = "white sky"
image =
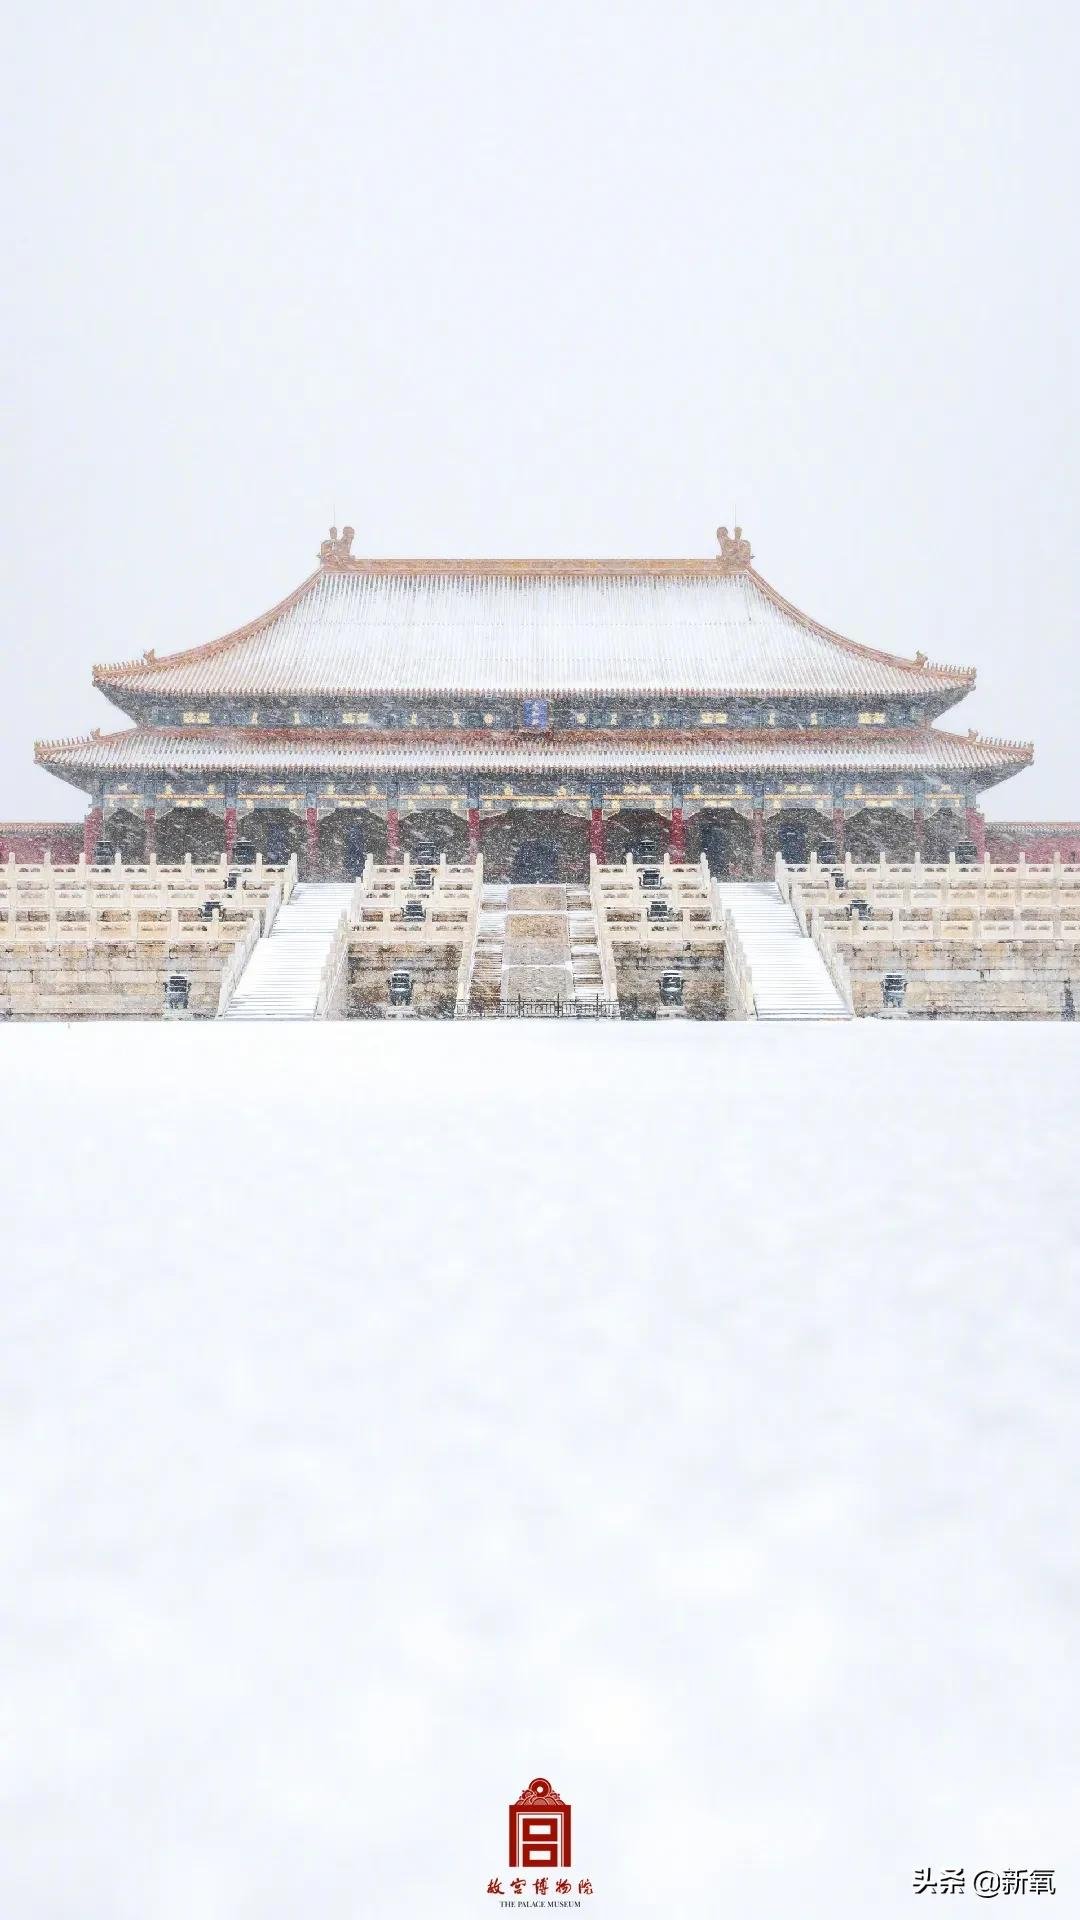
{"points": [[562, 278]]}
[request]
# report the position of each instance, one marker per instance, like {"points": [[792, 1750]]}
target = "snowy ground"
{"points": [[392, 1414]]}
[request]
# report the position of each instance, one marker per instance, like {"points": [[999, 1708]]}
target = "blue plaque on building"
{"points": [[537, 714]]}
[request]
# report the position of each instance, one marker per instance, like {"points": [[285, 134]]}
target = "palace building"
{"points": [[537, 712]]}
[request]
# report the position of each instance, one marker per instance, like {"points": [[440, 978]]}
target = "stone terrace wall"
{"points": [[985, 941], [434, 971]]}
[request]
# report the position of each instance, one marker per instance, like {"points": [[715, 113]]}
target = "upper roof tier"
{"points": [[517, 627]]}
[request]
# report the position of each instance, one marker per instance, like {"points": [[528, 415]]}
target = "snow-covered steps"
{"points": [[537, 946], [486, 967], [787, 976], [584, 934], [281, 979]]}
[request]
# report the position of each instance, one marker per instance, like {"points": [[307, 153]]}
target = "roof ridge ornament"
{"points": [[337, 550], [735, 554]]}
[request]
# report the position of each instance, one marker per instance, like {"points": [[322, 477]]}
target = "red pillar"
{"points": [[91, 832], [311, 818], [393, 845], [976, 830], [150, 833], [677, 840], [596, 834], [230, 831], [759, 843], [839, 822], [474, 832]]}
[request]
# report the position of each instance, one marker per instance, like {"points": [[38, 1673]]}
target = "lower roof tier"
{"points": [[253, 750]]}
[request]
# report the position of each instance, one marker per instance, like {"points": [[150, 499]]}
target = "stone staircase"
{"points": [[281, 980], [535, 944], [584, 945], [787, 976], [485, 974]]}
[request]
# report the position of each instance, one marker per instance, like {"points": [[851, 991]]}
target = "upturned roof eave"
{"points": [[945, 675], [121, 672]]}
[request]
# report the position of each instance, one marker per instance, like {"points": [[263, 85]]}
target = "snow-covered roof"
{"points": [[300, 750], [423, 627]]}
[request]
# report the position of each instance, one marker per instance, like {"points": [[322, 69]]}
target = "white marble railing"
{"points": [[468, 948], [330, 1001], [241, 954]]}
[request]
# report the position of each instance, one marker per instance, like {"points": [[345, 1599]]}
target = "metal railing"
{"points": [[522, 1009]]}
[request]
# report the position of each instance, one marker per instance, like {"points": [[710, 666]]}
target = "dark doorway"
{"points": [[792, 841], [355, 852], [642, 835], [724, 837], [126, 836], [190, 830], [429, 833], [277, 843], [534, 863], [717, 848], [346, 838], [877, 830], [509, 838]]}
